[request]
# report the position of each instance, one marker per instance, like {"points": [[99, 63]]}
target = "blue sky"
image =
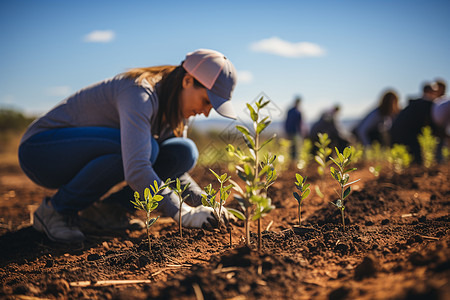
{"points": [[328, 52]]}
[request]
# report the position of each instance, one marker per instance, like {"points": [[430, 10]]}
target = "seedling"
{"points": [[322, 154], [209, 200], [303, 192], [399, 158], [341, 174], [253, 199], [178, 190], [149, 204], [428, 145]]}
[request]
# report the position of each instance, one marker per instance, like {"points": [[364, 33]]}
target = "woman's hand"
{"points": [[202, 217]]}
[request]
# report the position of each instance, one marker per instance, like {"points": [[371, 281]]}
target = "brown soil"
{"points": [[396, 246]]}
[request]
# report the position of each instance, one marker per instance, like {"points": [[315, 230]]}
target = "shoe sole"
{"points": [[39, 225]]}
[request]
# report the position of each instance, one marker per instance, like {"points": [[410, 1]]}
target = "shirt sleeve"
{"points": [[368, 124], [135, 110]]}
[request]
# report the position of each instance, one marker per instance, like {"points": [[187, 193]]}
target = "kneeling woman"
{"points": [[130, 128]]}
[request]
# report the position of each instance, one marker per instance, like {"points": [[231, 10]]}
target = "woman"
{"points": [[375, 126], [127, 128]]}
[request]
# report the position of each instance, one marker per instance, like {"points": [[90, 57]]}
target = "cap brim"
{"points": [[223, 106]]}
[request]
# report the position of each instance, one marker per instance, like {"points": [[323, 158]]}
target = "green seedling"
{"points": [[178, 190], [341, 174], [258, 176], [399, 158], [428, 145], [210, 199], [149, 204], [303, 192], [322, 154]]}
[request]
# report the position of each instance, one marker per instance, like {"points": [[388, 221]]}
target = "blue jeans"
{"points": [[83, 163]]}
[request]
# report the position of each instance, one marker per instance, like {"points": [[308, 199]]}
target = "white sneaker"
{"points": [[58, 227]]}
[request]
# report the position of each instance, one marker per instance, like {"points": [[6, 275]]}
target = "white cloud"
{"points": [[244, 77], [100, 36], [59, 91], [277, 46]]}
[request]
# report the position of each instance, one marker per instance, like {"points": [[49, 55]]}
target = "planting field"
{"points": [[396, 246]]}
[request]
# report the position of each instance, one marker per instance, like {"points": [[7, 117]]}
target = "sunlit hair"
{"points": [[389, 104], [169, 80]]}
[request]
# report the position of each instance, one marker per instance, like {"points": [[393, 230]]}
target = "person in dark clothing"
{"points": [[293, 127], [410, 121], [328, 124], [375, 125]]}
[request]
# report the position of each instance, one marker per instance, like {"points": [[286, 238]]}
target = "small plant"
{"points": [[149, 204], [253, 199], [303, 192], [178, 190], [322, 154], [428, 145], [209, 200], [341, 174], [399, 158]]}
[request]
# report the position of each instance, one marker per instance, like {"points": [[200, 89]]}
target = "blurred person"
{"points": [[328, 123], [293, 127], [375, 126], [410, 121], [129, 127], [441, 88]]}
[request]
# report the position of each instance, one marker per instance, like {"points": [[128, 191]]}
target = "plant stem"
{"points": [[343, 219], [259, 236], [255, 180], [148, 234], [247, 228], [299, 215], [179, 221]]}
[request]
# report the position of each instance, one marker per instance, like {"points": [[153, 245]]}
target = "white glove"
{"points": [[201, 217]]}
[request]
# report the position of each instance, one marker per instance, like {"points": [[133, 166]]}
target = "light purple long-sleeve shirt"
{"points": [[119, 103]]}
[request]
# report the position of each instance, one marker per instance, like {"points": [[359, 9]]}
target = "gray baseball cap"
{"points": [[217, 74]]}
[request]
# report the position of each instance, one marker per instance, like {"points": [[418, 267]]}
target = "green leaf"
{"points": [[347, 152], [146, 194], [223, 177], [319, 160], [266, 142], [347, 192], [306, 193], [215, 174], [297, 197], [249, 141], [299, 178], [333, 160], [152, 221], [253, 113], [157, 198], [264, 104], [136, 196], [243, 129], [237, 213], [261, 126], [153, 206], [350, 170]]}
